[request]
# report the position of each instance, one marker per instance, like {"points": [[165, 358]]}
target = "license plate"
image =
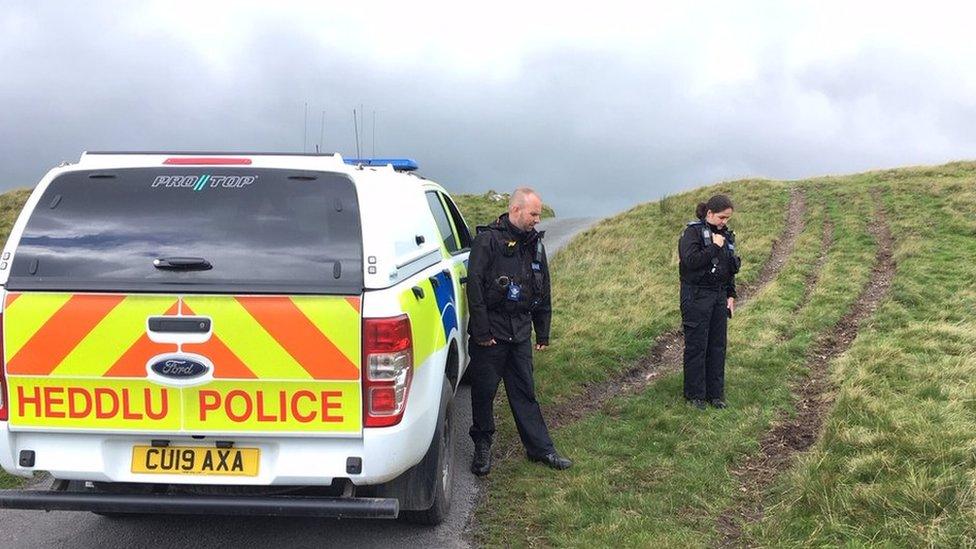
{"points": [[195, 460]]}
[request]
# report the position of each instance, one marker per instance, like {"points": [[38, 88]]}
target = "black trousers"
{"points": [[704, 320], [511, 362]]}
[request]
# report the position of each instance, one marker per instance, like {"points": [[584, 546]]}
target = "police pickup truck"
{"points": [[265, 334]]}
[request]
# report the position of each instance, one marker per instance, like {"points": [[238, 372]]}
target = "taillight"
{"points": [[3, 377], [387, 369]]}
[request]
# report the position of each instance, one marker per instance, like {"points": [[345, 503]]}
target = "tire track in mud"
{"points": [[666, 355], [812, 396], [826, 242]]}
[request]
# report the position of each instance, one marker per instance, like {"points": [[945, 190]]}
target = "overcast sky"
{"points": [[599, 105]]}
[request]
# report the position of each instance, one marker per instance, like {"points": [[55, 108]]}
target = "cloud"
{"points": [[598, 108]]}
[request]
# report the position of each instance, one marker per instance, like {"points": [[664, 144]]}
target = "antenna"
{"points": [[355, 123], [322, 133], [374, 135], [362, 124], [305, 136]]}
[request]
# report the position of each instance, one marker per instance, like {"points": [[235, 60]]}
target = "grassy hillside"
{"points": [[481, 209], [895, 465], [10, 204]]}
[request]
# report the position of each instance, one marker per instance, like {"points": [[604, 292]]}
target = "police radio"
{"points": [[707, 239], [735, 262]]}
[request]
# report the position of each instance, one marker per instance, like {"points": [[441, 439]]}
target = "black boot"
{"points": [[481, 463], [553, 460]]}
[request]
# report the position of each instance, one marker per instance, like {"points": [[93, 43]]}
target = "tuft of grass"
{"points": [[9, 481], [665, 204], [11, 202]]}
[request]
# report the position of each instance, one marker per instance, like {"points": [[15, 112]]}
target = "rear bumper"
{"points": [[178, 504]]}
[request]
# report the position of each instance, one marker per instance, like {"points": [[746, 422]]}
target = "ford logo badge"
{"points": [[179, 368]]}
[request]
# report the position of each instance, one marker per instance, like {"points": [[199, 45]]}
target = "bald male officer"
{"points": [[508, 295]]}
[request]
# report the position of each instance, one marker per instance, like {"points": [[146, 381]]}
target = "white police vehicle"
{"points": [[268, 334]]}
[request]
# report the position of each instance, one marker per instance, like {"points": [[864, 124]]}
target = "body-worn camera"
{"points": [[514, 292]]}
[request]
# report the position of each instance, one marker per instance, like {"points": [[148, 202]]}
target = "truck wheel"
{"points": [[441, 470]]}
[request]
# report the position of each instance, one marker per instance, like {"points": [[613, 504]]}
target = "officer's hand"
{"points": [[541, 347], [488, 343], [731, 304], [718, 239]]}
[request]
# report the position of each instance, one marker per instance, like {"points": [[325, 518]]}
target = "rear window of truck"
{"points": [[242, 230]]}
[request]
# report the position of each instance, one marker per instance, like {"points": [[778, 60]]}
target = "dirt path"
{"points": [[791, 435], [666, 353]]}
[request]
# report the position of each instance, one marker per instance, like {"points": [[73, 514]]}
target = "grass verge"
{"points": [[10, 481]]}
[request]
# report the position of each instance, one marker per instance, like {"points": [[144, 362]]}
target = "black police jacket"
{"points": [[500, 254], [704, 264]]}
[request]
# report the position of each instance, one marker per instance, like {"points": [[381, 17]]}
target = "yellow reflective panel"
{"points": [[425, 321], [274, 406], [337, 319], [246, 338], [218, 406], [112, 336], [25, 316], [460, 271], [93, 404]]}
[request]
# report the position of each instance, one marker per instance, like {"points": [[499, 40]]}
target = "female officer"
{"points": [[708, 265]]}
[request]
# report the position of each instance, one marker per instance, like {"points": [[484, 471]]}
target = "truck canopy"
{"points": [[259, 231]]}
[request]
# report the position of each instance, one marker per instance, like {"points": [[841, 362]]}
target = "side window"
{"points": [[464, 237], [443, 223]]}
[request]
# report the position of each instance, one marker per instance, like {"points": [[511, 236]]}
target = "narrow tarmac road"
{"points": [[72, 529]]}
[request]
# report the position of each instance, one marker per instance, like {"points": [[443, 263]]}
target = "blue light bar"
{"points": [[399, 164]]}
